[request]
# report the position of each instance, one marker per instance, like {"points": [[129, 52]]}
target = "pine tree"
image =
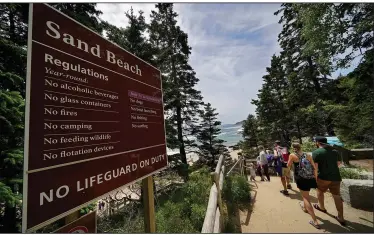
{"points": [[210, 146], [331, 29], [13, 56], [308, 77], [84, 13], [352, 109], [250, 131], [181, 99], [271, 105], [13, 39], [132, 37]]}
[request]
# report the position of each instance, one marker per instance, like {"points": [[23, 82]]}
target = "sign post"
{"points": [[94, 118], [149, 205]]}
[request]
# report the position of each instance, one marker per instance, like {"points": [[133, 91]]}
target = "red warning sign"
{"points": [[85, 224], [79, 229]]}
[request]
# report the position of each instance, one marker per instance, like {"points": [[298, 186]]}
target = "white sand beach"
{"points": [[234, 154]]}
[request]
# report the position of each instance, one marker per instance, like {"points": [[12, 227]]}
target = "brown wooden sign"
{"points": [[85, 224], [94, 118]]}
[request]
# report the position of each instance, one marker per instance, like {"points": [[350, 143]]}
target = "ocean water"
{"points": [[229, 133]]}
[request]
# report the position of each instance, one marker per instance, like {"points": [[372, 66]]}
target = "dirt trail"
{"points": [[274, 213]]}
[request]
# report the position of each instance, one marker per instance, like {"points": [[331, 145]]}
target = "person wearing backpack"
{"points": [[282, 155], [305, 177]]}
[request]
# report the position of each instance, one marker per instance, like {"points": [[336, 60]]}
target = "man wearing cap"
{"points": [[327, 161]]}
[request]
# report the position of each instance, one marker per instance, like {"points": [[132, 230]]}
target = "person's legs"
{"points": [[308, 205], [321, 199], [339, 206], [283, 180], [288, 182], [335, 191], [286, 174], [259, 172], [266, 171], [322, 188]]}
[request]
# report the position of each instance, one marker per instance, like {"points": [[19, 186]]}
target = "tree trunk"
{"points": [[286, 137], [9, 220], [316, 84], [299, 132], [180, 135], [330, 127]]}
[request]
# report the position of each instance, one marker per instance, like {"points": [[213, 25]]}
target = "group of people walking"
{"points": [[319, 170]]}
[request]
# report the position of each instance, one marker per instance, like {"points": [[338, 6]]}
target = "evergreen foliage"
{"points": [[299, 97], [210, 146]]}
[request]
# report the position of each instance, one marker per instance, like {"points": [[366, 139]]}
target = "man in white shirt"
{"points": [[263, 162]]}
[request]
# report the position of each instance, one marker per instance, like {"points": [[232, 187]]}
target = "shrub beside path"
{"points": [[272, 212]]}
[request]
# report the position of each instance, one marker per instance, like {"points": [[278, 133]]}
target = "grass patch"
{"points": [[181, 210], [351, 173], [184, 211], [236, 195]]}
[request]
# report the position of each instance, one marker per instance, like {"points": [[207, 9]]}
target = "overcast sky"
{"points": [[232, 44]]}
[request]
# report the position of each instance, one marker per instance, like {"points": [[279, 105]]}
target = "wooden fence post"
{"points": [[111, 207], [215, 179], [245, 167], [210, 214], [217, 222], [221, 178], [149, 205], [241, 166]]}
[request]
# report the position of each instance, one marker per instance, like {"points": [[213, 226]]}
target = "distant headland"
{"points": [[239, 123]]}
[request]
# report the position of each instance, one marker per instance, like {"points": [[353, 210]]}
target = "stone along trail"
{"points": [[272, 212]]}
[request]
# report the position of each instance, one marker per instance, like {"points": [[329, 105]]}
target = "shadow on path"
{"points": [[272, 212], [250, 207], [352, 227], [297, 195], [366, 220]]}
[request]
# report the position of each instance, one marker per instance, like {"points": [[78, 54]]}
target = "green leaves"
{"points": [[332, 29], [85, 13], [181, 98], [13, 55], [297, 98], [210, 146], [7, 196]]}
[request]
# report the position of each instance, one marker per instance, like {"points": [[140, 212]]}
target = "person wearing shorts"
{"points": [[287, 174], [304, 181], [282, 169], [327, 161]]}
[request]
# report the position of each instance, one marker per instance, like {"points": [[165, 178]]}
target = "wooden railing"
{"points": [[213, 221], [239, 165]]}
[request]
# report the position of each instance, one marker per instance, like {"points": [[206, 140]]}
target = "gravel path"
{"points": [[274, 213]]}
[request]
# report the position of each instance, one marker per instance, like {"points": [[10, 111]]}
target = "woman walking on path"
{"points": [[305, 177]]}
